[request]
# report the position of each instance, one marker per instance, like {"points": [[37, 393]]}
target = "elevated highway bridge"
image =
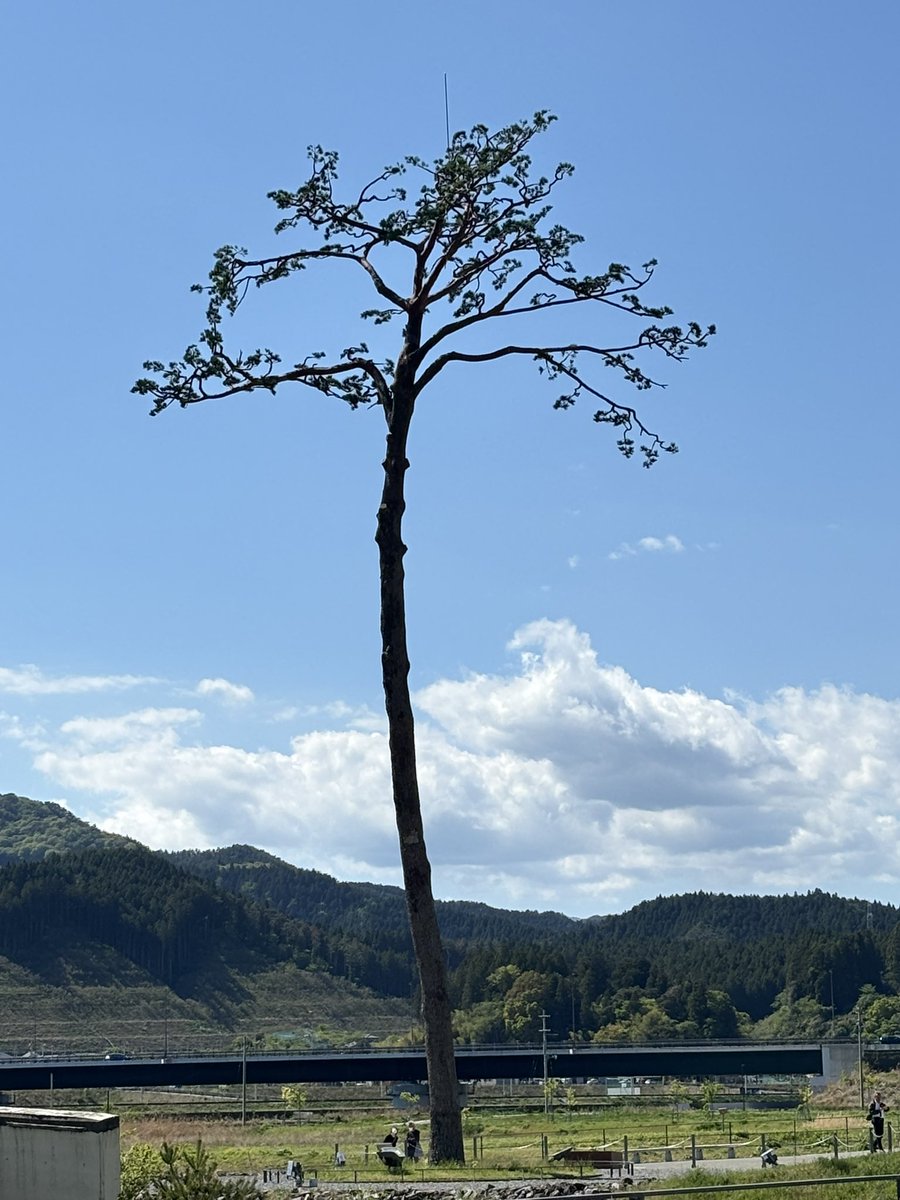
{"points": [[827, 1060]]}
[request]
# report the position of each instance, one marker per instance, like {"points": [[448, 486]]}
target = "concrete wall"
{"points": [[50, 1154], [840, 1060]]}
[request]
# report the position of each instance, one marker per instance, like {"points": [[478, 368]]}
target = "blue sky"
{"points": [[629, 683]]}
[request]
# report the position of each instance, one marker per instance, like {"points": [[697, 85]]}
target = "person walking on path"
{"points": [[877, 1109]]}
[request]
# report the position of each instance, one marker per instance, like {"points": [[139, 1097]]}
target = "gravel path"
{"points": [[676, 1173]]}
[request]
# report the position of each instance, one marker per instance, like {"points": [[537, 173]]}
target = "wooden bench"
{"points": [[606, 1160]]}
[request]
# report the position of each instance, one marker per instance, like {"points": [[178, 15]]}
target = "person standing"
{"points": [[877, 1109], [413, 1142]]}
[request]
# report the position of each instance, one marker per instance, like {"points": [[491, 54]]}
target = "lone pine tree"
{"points": [[476, 252]]}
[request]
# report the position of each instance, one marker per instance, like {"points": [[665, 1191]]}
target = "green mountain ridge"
{"points": [[361, 909], [238, 937], [32, 829]]}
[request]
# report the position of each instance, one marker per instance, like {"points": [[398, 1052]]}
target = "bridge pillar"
{"points": [[839, 1060]]}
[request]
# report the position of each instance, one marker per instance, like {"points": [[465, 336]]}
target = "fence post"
{"points": [[835, 1137], [890, 1133], [693, 1150], [625, 1147]]}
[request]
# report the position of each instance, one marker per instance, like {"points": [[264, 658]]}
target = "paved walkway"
{"points": [[677, 1173], [667, 1170]]}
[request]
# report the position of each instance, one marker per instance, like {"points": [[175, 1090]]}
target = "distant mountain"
{"points": [[119, 927], [219, 929], [364, 910], [32, 829], [710, 916]]}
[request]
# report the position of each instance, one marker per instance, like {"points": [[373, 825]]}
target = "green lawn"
{"points": [[511, 1144]]}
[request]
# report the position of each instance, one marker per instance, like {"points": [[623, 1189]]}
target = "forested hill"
{"points": [[134, 908], [29, 830], [364, 910], [205, 922], [706, 916], [126, 916]]}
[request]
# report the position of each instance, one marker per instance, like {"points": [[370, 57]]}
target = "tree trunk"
{"points": [[446, 1121]]}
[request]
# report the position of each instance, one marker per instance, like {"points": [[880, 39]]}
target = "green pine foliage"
{"points": [[189, 1173]]}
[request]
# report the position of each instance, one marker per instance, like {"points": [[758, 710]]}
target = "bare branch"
{"points": [[266, 270], [617, 356], [357, 381]]}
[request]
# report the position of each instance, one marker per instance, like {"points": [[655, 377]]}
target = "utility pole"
{"points": [[244, 1080], [545, 1017], [859, 1058], [831, 978]]}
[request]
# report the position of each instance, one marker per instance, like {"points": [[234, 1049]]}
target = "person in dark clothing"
{"points": [[877, 1109], [390, 1153], [413, 1142]]}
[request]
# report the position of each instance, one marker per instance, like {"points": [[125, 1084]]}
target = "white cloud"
{"points": [[670, 544], [230, 693], [13, 728], [128, 728], [562, 782], [349, 715], [29, 680]]}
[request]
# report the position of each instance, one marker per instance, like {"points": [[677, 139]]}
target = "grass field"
{"points": [[515, 1144]]}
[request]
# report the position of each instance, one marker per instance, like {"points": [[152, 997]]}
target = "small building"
{"points": [[49, 1153]]}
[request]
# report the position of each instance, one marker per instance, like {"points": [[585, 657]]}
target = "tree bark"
{"points": [[446, 1142]]}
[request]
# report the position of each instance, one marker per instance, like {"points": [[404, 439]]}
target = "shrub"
{"points": [[190, 1174], [141, 1166]]}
